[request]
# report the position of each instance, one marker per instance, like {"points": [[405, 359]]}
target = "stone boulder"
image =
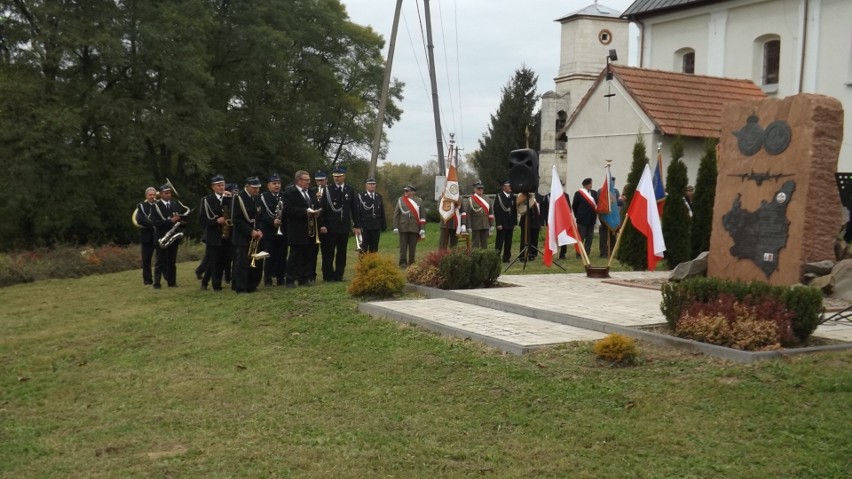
{"points": [[819, 268], [841, 277], [691, 269]]}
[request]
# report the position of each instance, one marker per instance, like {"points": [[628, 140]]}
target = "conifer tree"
{"points": [[633, 247], [676, 220], [703, 199]]}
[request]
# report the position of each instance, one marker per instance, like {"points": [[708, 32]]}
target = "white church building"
{"points": [[689, 49]]}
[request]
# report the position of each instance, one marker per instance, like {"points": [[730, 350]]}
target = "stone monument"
{"points": [[777, 205]]}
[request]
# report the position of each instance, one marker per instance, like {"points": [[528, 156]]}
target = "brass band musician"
{"points": [[165, 215], [147, 234], [212, 212], [245, 212], [301, 211]]}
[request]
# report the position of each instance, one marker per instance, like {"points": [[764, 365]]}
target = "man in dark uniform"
{"points": [[319, 191], [147, 234], [585, 204], [231, 191], [245, 212], [336, 224], [371, 215], [301, 211], [212, 215], [505, 219], [166, 214], [274, 240]]}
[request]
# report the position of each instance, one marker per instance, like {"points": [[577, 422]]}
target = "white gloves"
{"points": [[463, 229], [396, 231], [422, 233], [491, 230]]}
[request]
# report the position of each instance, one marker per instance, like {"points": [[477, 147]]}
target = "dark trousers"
{"points": [[216, 256], [448, 238], [479, 238], [606, 241], [407, 247], [202, 265], [299, 263], [587, 232], [370, 240], [166, 265], [147, 255], [334, 255], [274, 267], [244, 278], [503, 242]]}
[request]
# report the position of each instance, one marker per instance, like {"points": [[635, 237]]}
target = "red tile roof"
{"points": [[678, 103]]}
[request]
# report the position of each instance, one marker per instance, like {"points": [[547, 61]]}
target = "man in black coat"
{"points": [[371, 216], [212, 214], [336, 224], [270, 221], [301, 211], [147, 234], [165, 215], [585, 204], [505, 219], [244, 215]]}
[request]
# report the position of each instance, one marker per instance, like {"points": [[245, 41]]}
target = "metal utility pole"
{"points": [[435, 110], [380, 118]]}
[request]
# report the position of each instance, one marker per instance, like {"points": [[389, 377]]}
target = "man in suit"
{"points": [[337, 222], [273, 243], [213, 220], [245, 213], [147, 234], [479, 220], [409, 224], [505, 218], [371, 215], [585, 204], [301, 212], [166, 213]]}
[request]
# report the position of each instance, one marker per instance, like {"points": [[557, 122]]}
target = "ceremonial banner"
{"points": [[608, 209], [659, 186]]}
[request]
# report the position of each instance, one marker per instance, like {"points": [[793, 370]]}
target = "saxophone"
{"points": [[173, 234], [225, 228]]}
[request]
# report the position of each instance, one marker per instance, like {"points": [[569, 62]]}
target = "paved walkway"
{"points": [[544, 310]]}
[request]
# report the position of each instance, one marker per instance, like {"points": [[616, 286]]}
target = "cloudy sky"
{"points": [[478, 46]]}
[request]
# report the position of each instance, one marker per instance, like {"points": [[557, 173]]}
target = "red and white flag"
{"points": [[560, 221], [645, 217]]}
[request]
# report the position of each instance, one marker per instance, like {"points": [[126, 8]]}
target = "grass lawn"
{"points": [[103, 377]]}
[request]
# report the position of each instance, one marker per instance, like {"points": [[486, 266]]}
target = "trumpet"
{"points": [[279, 210], [358, 243], [253, 253], [313, 225]]}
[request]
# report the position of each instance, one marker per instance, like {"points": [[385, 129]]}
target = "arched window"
{"points": [[685, 61], [767, 61]]}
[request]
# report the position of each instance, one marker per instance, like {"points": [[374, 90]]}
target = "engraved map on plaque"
{"points": [[759, 235]]}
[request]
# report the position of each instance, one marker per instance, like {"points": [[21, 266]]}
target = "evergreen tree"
{"points": [[703, 199], [676, 220], [507, 130], [633, 247]]}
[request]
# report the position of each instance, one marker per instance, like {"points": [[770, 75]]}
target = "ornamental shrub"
{"points": [[376, 276], [424, 275], [616, 349], [456, 269], [487, 266]]}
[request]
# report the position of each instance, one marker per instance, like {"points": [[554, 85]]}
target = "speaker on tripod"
{"points": [[523, 171]]}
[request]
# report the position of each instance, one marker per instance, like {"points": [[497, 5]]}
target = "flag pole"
{"points": [[618, 239]]}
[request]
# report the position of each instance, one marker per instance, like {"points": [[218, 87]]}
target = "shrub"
{"points": [[424, 275], [376, 276], [487, 266], [707, 328], [800, 306], [616, 349], [456, 268]]}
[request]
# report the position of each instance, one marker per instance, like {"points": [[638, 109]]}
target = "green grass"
{"points": [[103, 377]]}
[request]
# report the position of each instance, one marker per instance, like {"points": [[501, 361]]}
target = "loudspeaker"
{"points": [[523, 170]]}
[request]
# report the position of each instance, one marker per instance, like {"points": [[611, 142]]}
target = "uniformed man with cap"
{"points": [[245, 212], [409, 223], [166, 213], [212, 213], [337, 221], [319, 191], [274, 238], [505, 219], [479, 218], [371, 213], [231, 191], [147, 234]]}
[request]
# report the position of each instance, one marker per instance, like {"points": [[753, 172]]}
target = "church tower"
{"points": [[587, 37]]}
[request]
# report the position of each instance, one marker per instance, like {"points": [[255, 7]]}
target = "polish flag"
{"points": [[645, 217], [560, 221]]}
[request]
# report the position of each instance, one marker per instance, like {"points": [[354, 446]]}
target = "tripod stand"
{"points": [[529, 247]]}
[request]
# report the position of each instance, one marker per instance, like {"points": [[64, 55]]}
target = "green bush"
{"points": [[803, 304], [456, 269], [376, 276], [487, 266], [616, 349]]}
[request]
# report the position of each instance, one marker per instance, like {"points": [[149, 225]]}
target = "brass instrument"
{"points": [[253, 253], [279, 210], [171, 236], [133, 218], [358, 243], [225, 228], [313, 225]]}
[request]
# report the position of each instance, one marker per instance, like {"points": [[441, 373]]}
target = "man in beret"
{"points": [[337, 222], [212, 212], [479, 218], [409, 224], [585, 204], [166, 214], [505, 219], [274, 239], [245, 212], [371, 215]]}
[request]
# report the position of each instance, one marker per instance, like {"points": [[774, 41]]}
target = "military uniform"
{"points": [[212, 209], [147, 238], [163, 211], [245, 212], [371, 216], [273, 243], [478, 217], [505, 219], [409, 223], [300, 236]]}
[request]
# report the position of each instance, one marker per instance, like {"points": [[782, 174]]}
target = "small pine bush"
{"points": [[376, 276], [487, 266], [616, 349], [456, 268]]}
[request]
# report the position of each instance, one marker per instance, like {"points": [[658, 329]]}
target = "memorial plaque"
{"points": [[776, 204]]}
